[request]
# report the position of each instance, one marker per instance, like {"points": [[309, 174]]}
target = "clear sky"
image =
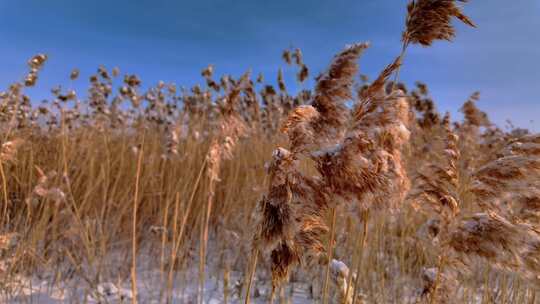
{"points": [[172, 40]]}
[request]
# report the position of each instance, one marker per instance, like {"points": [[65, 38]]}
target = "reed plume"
{"points": [[515, 172], [367, 167], [430, 20], [327, 116], [8, 150], [437, 185], [490, 236], [292, 212], [231, 128]]}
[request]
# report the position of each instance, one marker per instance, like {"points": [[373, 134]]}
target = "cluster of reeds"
{"points": [[368, 173], [357, 152]]}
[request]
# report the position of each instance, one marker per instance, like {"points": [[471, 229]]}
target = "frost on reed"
{"points": [[340, 275]]}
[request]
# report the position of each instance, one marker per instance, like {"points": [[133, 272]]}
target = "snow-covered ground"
{"points": [[150, 290]]}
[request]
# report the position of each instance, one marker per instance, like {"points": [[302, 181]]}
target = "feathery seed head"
{"points": [[430, 20]]}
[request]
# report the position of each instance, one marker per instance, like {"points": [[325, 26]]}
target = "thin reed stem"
{"points": [[354, 260], [253, 268], [177, 238], [134, 226], [174, 244], [330, 252], [164, 235], [226, 280], [200, 288], [5, 195], [440, 267], [365, 219], [190, 204], [272, 295], [204, 237], [401, 58]]}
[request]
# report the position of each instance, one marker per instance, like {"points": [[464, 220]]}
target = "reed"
{"points": [[349, 191]]}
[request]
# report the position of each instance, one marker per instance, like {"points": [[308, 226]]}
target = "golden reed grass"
{"points": [[364, 184]]}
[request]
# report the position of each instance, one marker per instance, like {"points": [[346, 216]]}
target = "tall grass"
{"points": [[189, 194]]}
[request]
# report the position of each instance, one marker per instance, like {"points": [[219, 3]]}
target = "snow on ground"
{"points": [[26, 290]]}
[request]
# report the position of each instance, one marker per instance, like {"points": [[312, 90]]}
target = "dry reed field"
{"points": [[354, 191]]}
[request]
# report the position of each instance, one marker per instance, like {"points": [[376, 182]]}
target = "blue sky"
{"points": [[172, 40]]}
